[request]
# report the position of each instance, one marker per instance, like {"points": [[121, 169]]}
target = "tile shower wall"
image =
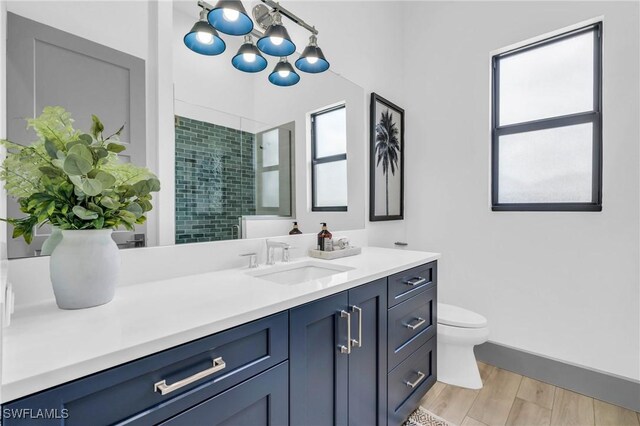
{"points": [[215, 180]]}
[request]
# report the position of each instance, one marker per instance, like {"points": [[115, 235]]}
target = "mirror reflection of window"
{"points": [[273, 172], [329, 159], [270, 189], [270, 148]]}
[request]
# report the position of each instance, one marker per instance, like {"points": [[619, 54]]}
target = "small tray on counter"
{"points": [[336, 254]]}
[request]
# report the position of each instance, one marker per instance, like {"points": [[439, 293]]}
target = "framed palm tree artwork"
{"points": [[386, 182]]}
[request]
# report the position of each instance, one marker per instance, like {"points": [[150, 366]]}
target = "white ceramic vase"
{"points": [[85, 267], [52, 242]]}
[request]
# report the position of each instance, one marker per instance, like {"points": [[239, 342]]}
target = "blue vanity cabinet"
{"points": [[412, 321], [407, 284], [332, 381], [261, 400], [410, 381], [411, 324], [361, 357], [194, 372], [368, 358], [318, 379]]}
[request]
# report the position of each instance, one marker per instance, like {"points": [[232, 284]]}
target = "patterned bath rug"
{"points": [[423, 417]]}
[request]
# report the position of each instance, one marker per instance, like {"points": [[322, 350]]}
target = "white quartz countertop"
{"points": [[46, 346]]}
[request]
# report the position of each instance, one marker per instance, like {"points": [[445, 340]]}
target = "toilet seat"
{"points": [[456, 316], [462, 336]]}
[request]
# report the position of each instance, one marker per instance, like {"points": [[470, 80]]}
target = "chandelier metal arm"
{"points": [[291, 16], [276, 6]]}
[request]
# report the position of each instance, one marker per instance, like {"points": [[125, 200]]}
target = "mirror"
{"points": [[242, 145]]}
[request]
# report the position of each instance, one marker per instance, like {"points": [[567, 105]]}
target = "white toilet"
{"points": [[459, 330]]}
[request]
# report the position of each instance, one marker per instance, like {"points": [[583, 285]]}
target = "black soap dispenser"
{"points": [[295, 230]]}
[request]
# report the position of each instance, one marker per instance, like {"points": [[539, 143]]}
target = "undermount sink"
{"points": [[299, 272]]}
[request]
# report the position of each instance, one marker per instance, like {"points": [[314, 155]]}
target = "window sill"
{"points": [[547, 207], [329, 209]]}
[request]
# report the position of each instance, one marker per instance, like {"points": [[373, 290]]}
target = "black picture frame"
{"points": [[374, 120]]}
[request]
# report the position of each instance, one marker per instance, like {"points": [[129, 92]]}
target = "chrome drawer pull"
{"points": [[358, 343], [420, 378], [415, 281], [346, 349], [416, 325], [164, 388]]}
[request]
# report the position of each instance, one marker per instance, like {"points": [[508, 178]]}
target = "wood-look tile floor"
{"points": [[513, 400]]}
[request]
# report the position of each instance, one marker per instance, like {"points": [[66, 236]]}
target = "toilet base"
{"points": [[456, 361], [457, 366]]}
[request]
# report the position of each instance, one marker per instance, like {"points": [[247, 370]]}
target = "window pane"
{"points": [[331, 133], [552, 80], [331, 184], [552, 165], [270, 148], [271, 189]]}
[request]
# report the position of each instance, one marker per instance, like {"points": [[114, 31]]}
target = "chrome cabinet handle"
{"points": [[415, 281], [416, 325], [358, 343], [346, 349], [420, 378], [163, 388]]}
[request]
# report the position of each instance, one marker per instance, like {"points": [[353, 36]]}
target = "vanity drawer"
{"points": [[407, 284], [261, 400], [128, 394], [410, 325], [410, 381]]}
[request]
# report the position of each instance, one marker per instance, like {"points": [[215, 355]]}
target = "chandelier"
{"points": [[231, 18]]}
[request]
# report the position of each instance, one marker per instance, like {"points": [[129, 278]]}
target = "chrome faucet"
{"points": [[253, 259], [271, 246]]}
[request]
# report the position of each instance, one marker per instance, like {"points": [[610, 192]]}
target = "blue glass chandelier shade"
{"points": [[204, 39], [248, 58], [283, 74], [312, 60], [276, 41], [230, 17]]}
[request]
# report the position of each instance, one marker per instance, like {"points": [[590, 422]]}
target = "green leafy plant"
{"points": [[74, 180]]}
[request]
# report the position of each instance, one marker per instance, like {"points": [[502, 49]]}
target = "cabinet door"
{"points": [[368, 358], [318, 369], [261, 400]]}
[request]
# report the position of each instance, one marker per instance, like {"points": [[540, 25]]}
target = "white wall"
{"points": [[564, 285]]}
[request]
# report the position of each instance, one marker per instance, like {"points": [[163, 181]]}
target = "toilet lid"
{"points": [[459, 317]]}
